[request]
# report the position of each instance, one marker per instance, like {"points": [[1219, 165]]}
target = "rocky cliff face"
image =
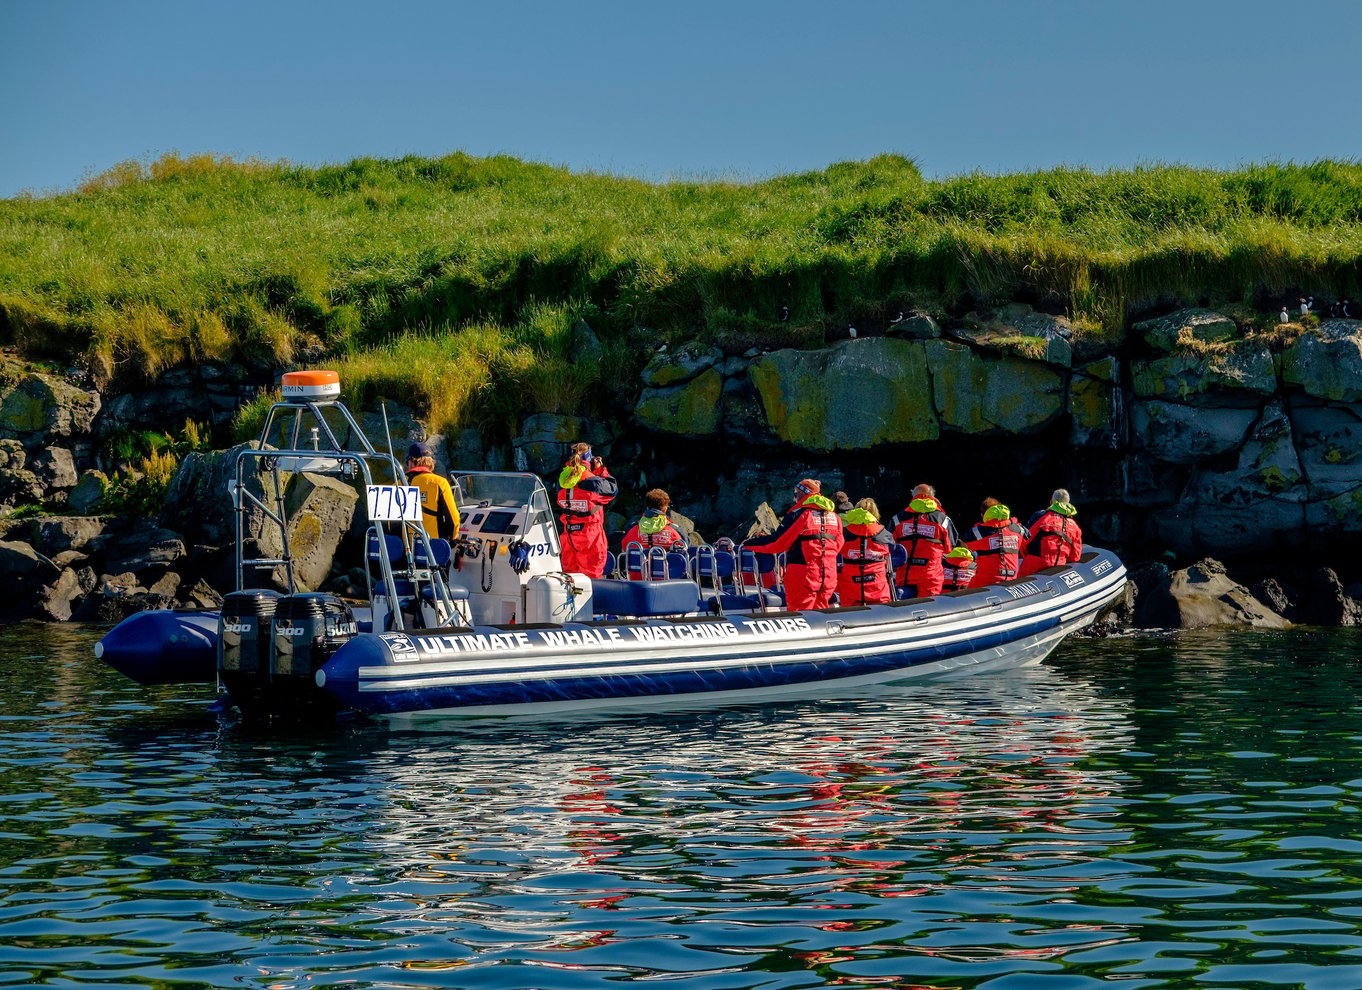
{"points": [[1192, 434], [1189, 436]]}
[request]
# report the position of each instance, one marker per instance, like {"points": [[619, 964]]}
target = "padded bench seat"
{"points": [[614, 597]]}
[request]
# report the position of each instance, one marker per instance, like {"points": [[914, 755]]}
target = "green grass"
{"points": [[457, 280]]}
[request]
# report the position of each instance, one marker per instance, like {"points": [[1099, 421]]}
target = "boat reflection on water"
{"points": [[858, 794]]}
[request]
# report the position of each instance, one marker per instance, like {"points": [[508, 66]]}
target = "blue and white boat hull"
{"points": [[681, 661]]}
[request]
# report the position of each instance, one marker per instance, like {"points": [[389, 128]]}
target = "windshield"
{"points": [[496, 489]]}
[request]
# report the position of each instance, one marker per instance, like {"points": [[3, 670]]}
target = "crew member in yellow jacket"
{"points": [[439, 514]]}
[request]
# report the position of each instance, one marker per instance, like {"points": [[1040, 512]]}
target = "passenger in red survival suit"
{"points": [[585, 488], [810, 536]]}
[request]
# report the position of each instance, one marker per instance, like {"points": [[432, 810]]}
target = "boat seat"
{"points": [[440, 550], [898, 559], [643, 598], [745, 603], [660, 565]]}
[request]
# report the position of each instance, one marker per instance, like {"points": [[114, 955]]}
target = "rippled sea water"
{"points": [[1152, 812]]}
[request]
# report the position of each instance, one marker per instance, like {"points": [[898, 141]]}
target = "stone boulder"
{"points": [[321, 510], [1270, 592], [1327, 362], [1328, 440], [20, 487], [1169, 333], [1325, 603], [1260, 502], [765, 521], [40, 408], [57, 601], [978, 394], [689, 409], [1239, 374], [88, 492], [145, 551], [915, 325], [111, 605], [1019, 330], [52, 535], [24, 572], [1182, 434], [854, 395], [1199, 596], [685, 526], [55, 467], [682, 364], [1117, 617], [198, 501], [584, 347], [13, 456]]}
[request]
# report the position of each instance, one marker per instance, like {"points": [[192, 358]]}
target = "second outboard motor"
{"points": [[244, 643], [308, 629]]}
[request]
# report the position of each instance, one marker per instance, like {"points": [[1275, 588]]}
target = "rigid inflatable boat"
{"points": [[491, 625]]}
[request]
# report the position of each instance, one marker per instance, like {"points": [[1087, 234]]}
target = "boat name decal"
{"points": [[1101, 567], [469, 643], [691, 631], [1023, 589], [415, 648], [1072, 579], [774, 627]]}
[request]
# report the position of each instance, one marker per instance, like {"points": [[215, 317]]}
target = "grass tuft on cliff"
{"points": [[457, 280]]}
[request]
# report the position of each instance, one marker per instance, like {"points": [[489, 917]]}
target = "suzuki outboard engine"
{"points": [[244, 640], [308, 629]]}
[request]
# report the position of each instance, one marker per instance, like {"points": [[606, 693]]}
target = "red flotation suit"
{"points": [[997, 546], [810, 536], [926, 532], [957, 569], [1055, 539], [864, 575], [582, 499]]}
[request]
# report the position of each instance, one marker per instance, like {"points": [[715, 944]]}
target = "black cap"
{"points": [[418, 450]]}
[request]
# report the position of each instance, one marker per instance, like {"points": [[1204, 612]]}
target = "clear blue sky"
{"points": [[726, 89]]}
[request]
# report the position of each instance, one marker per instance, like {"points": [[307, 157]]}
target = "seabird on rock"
{"points": [[851, 332], [897, 319], [661, 348], [1305, 306], [1345, 307], [784, 313], [1284, 316]]}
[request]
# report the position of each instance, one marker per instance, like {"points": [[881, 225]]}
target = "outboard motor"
{"points": [[244, 643], [308, 629]]}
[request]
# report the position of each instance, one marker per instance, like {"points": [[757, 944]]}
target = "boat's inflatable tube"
{"points": [[162, 646]]}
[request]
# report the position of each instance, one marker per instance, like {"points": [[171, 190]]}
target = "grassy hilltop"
{"points": [[454, 282]]}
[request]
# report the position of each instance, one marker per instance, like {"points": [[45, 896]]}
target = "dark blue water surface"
{"points": [[1145, 812]]}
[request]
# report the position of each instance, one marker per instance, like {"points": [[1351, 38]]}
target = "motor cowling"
{"points": [[244, 632], [308, 629]]}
